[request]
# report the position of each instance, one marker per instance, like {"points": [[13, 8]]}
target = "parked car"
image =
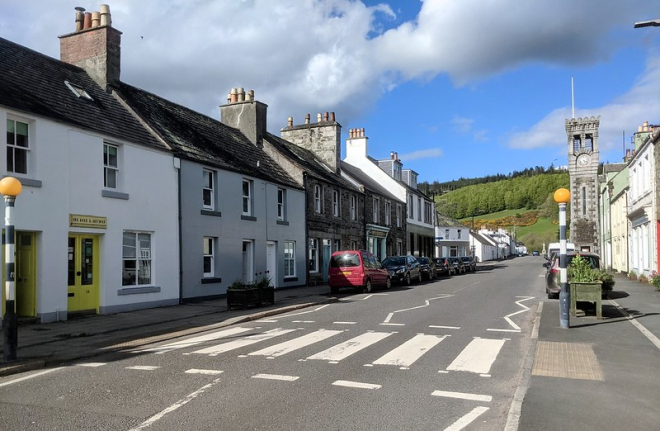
{"points": [[535, 253], [457, 264], [470, 263], [427, 268], [403, 269], [357, 269], [442, 266], [552, 281]]}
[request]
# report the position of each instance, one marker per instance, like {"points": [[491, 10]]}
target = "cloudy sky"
{"points": [[458, 88]]}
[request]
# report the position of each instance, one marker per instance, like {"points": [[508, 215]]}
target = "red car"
{"points": [[357, 269]]}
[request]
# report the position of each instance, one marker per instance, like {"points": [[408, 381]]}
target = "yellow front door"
{"points": [[83, 273], [26, 273]]}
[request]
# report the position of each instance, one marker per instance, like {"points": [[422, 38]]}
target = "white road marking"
{"points": [[275, 377], [197, 340], [426, 304], [304, 312], [444, 327], [296, 343], [207, 372], [353, 298], [175, 406], [344, 323], [648, 334], [515, 327], [31, 376], [241, 342], [357, 385], [91, 364], [467, 419], [265, 321], [354, 345], [462, 396], [537, 321], [393, 324], [478, 356], [410, 351], [302, 321], [143, 367]]}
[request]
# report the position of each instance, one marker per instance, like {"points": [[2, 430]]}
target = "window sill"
{"points": [[248, 218], [27, 181], [211, 280], [286, 279], [211, 213], [138, 290], [114, 195], [283, 222]]}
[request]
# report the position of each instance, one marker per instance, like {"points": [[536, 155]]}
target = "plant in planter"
{"points": [[655, 280], [242, 295], [585, 283], [632, 275], [266, 291]]}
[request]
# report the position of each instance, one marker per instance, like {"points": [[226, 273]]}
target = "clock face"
{"points": [[583, 159]]}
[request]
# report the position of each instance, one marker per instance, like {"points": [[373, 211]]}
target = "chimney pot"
{"points": [[290, 121], [326, 116], [250, 95], [233, 95], [318, 117], [332, 117], [96, 19], [87, 21], [392, 155], [80, 18], [106, 18], [307, 118], [362, 132], [241, 94]]}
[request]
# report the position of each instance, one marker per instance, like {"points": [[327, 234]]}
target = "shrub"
{"points": [[607, 279], [655, 280], [580, 271], [643, 278], [632, 275]]}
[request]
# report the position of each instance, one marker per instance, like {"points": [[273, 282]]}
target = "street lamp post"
{"points": [[562, 196], [10, 188]]}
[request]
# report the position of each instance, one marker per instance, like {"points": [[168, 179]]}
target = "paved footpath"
{"points": [[599, 374]]}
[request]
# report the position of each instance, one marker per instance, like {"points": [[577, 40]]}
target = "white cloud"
{"points": [[431, 153]]}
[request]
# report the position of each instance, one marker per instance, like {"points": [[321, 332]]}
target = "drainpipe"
{"points": [[177, 166], [305, 188]]}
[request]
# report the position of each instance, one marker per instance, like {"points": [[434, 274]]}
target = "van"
{"points": [[357, 269], [553, 248]]}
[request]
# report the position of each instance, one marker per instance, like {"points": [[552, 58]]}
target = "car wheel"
{"points": [[407, 279], [367, 286], [388, 283], [334, 290]]}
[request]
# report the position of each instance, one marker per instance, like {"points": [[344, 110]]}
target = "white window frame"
{"points": [[110, 169], [16, 148], [419, 209], [281, 204], [317, 198], [289, 259], [411, 208], [208, 188], [313, 257], [246, 192], [208, 251], [335, 203], [388, 213], [144, 257], [398, 215], [376, 210], [353, 207]]}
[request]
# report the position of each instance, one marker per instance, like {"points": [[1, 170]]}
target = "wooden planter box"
{"points": [[587, 292], [244, 298]]}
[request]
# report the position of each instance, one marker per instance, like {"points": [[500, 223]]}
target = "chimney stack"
{"points": [[245, 113], [94, 46]]}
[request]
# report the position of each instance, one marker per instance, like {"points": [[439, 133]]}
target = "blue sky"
{"points": [[458, 88]]}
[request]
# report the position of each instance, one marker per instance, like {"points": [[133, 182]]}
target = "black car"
{"points": [[457, 264], [427, 268], [552, 281], [403, 269], [442, 266], [470, 263]]}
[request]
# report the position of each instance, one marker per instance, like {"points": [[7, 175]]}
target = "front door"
{"points": [[83, 273], [271, 262], [26, 274]]}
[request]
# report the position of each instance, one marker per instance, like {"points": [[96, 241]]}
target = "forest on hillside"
{"points": [[520, 192]]}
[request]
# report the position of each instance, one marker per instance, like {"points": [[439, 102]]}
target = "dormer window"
{"points": [[78, 91]]}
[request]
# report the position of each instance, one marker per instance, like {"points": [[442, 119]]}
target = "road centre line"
{"points": [[91, 364], [207, 372], [444, 327], [305, 312], [467, 419], [143, 367], [175, 406], [462, 396], [31, 376], [358, 385], [275, 377], [344, 323]]}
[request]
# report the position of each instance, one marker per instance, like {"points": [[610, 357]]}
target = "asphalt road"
{"points": [[446, 354]]}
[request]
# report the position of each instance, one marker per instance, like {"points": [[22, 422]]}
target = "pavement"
{"points": [[598, 374]]}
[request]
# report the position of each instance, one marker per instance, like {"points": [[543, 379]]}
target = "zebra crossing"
{"points": [[477, 356]]}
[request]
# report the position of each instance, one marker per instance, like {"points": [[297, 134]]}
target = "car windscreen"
{"points": [[423, 260], [345, 260], [394, 261]]}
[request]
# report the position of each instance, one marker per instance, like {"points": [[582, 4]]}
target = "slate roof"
{"points": [[445, 221], [369, 183], [200, 138], [484, 239], [311, 164], [34, 83]]}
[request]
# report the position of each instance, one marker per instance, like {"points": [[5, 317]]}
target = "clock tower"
{"points": [[582, 134]]}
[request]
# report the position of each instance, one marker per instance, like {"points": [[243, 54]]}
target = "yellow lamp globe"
{"points": [[562, 196], [10, 186]]}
